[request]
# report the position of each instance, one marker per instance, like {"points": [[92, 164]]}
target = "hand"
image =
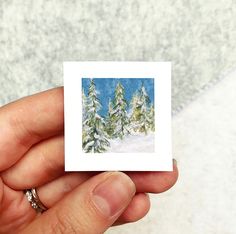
{"points": [[32, 156]]}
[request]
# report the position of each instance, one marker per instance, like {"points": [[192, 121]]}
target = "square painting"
{"points": [[117, 116]]}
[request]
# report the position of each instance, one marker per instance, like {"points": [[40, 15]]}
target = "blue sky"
{"points": [[106, 87]]}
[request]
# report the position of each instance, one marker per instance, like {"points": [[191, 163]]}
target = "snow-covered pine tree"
{"points": [[140, 119], [151, 115], [84, 105], [84, 113], [109, 123], [119, 116], [134, 112], [94, 140]]}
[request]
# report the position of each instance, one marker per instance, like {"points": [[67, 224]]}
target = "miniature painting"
{"points": [[117, 116]]}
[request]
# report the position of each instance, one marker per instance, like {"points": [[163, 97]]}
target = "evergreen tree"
{"points": [[151, 115], [84, 105], [140, 111], [109, 123], [94, 140], [134, 112], [84, 114], [118, 115]]}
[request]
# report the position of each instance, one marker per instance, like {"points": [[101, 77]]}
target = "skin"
{"points": [[32, 155]]}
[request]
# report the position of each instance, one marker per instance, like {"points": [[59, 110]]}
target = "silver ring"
{"points": [[34, 200]]}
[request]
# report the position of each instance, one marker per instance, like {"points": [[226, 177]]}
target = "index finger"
{"points": [[27, 121]]}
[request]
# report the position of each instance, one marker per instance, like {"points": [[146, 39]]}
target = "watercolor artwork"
{"points": [[117, 116]]}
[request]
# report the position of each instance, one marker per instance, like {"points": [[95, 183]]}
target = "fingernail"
{"points": [[113, 194], [174, 161]]}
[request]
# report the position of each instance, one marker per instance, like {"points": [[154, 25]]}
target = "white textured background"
{"points": [[204, 144], [198, 36]]}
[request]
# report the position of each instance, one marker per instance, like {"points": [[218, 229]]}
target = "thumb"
{"points": [[91, 208]]}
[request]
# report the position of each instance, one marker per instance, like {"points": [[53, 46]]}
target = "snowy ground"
{"points": [[140, 143]]}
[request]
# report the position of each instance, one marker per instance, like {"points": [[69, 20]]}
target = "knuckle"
{"points": [[52, 166], [23, 134]]}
